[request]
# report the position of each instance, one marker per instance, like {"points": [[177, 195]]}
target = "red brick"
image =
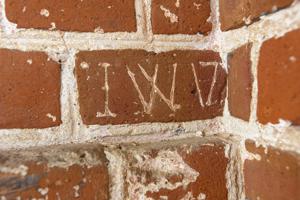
{"points": [[123, 98], [235, 13], [278, 79], [29, 90], [274, 177], [186, 17], [68, 15], [240, 82], [180, 171], [44, 180]]}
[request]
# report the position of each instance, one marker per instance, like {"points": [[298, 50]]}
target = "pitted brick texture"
{"points": [[278, 79], [274, 176], [44, 181], [236, 13], [177, 172], [185, 17], [29, 90], [132, 86], [69, 15]]}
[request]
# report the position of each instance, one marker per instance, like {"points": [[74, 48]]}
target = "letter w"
{"points": [[154, 89]]}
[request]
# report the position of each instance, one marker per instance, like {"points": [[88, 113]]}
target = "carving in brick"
{"points": [[180, 16], [182, 171], [132, 86], [240, 82], [29, 90], [278, 79], [57, 174], [279, 171], [236, 13], [66, 15]]}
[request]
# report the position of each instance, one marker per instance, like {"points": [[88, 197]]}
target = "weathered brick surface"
{"points": [[66, 174], [131, 86], [236, 13], [240, 82], [274, 177], [186, 17], [68, 15], [278, 79], [29, 90], [182, 171]]}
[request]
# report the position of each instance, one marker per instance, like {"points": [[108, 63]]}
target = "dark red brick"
{"points": [[278, 79], [240, 82], [180, 171], [235, 13], [124, 103], [274, 177], [177, 16], [71, 174], [29, 90], [69, 15]]}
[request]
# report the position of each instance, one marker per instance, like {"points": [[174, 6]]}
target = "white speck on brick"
{"points": [[99, 30], [168, 14], [51, 117], [43, 191], [84, 65], [197, 5], [53, 26], [247, 20], [76, 193], [177, 4], [292, 59], [29, 61], [201, 196], [24, 9], [45, 13], [274, 8]]}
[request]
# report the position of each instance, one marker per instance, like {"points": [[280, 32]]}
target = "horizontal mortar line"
{"points": [[96, 40], [58, 43], [269, 26], [165, 131]]}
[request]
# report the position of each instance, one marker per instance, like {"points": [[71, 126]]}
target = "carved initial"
{"points": [[209, 98], [154, 89], [107, 112]]}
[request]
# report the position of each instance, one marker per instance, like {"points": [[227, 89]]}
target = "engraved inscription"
{"points": [[209, 98], [107, 112], [154, 89]]}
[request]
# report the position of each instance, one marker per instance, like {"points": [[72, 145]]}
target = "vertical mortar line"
{"points": [[234, 177], [141, 19], [76, 121], [5, 25], [215, 17], [224, 58], [148, 26], [116, 168], [254, 67], [62, 53]]}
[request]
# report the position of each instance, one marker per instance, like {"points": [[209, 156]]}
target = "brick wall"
{"points": [[150, 99]]}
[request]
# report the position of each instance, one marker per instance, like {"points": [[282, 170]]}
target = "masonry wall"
{"points": [[150, 99]]}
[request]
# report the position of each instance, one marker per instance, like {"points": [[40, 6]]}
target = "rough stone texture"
{"points": [[240, 82], [69, 15], [278, 79], [181, 171], [236, 13], [76, 174], [274, 177], [29, 90], [147, 87], [176, 16]]}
